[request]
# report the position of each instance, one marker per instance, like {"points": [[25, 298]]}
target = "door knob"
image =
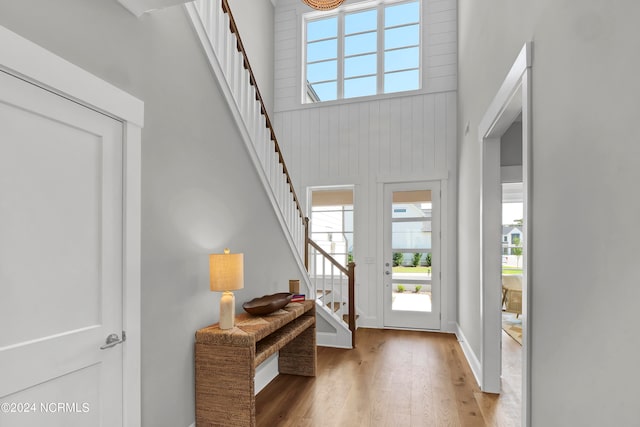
{"points": [[113, 340], [387, 272]]}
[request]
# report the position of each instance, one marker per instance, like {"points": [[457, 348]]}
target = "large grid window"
{"points": [[363, 53]]}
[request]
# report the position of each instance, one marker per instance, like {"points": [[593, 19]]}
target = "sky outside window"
{"points": [[322, 57]]}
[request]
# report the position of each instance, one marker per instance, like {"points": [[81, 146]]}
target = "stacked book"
{"points": [[297, 298]]}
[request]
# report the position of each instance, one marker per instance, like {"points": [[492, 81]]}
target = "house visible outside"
{"points": [[511, 238], [512, 249]]}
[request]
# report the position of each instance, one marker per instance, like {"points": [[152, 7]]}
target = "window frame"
{"points": [[380, 51]]}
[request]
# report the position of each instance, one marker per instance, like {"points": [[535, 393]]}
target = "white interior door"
{"points": [[412, 255], [60, 260]]}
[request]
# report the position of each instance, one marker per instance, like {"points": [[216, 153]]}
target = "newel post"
{"points": [[352, 302], [306, 243]]}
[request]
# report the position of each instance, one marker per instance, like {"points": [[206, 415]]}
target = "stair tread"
{"points": [[345, 317], [335, 306], [320, 294]]}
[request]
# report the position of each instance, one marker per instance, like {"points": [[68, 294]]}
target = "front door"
{"points": [[61, 260], [412, 255]]}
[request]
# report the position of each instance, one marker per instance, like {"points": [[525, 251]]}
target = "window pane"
{"points": [[402, 36], [412, 204], [360, 65], [401, 59], [420, 260], [326, 91], [361, 43], [321, 71], [401, 81], [348, 221], [406, 297], [317, 51], [326, 208], [411, 235], [361, 21], [401, 14], [322, 29], [361, 86], [416, 211]]}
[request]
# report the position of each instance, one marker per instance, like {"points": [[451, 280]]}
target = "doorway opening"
{"points": [[511, 104], [512, 261], [332, 221]]}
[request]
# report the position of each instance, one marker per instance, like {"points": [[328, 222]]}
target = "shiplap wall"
{"points": [[403, 137], [439, 41], [367, 144], [371, 141]]}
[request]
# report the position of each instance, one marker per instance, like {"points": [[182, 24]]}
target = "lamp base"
{"points": [[227, 310]]}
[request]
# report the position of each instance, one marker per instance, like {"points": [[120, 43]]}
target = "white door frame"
{"points": [[30, 62], [513, 98]]}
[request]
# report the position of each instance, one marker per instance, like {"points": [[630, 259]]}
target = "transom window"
{"points": [[362, 53]]}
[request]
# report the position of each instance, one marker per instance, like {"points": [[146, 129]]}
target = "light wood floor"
{"points": [[393, 378]]}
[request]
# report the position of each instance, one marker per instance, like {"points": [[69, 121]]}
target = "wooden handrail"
{"points": [[252, 80], [331, 259]]}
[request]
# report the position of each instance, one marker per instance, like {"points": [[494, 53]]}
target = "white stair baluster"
{"points": [[206, 15], [257, 128], [233, 68], [221, 31], [266, 146], [274, 170], [238, 73], [241, 72], [247, 111]]}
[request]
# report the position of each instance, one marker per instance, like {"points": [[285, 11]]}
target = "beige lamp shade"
{"points": [[323, 4], [226, 271]]}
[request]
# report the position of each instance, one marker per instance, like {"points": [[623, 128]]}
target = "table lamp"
{"points": [[226, 274]]}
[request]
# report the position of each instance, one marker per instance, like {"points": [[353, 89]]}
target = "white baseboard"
{"points": [[451, 327], [471, 357], [266, 372], [332, 339]]}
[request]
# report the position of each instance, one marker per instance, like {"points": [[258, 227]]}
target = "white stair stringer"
{"points": [[211, 25]]}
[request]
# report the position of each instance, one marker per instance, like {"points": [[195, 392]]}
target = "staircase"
{"points": [[331, 284]]}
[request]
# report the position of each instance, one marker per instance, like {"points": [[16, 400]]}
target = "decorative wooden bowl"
{"points": [[267, 304]]}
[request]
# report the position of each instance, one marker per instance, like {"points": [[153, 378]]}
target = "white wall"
{"points": [[585, 168], [511, 146], [368, 142], [200, 192]]}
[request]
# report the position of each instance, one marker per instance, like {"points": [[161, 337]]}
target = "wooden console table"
{"points": [[226, 361]]}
